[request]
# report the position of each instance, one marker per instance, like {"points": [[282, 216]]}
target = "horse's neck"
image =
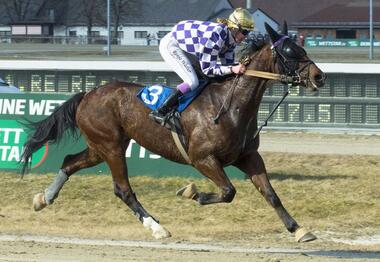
{"points": [[252, 89], [249, 91]]}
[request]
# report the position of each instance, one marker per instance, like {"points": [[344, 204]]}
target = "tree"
{"points": [[121, 8], [93, 12], [22, 10]]}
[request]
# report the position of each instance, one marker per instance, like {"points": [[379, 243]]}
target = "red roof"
{"points": [[349, 13]]}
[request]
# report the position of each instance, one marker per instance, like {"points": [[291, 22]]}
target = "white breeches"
{"points": [[176, 58]]}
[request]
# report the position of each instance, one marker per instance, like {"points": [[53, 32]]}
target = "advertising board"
{"points": [[18, 109]]}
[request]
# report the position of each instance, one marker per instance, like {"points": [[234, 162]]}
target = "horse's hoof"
{"points": [[302, 235], [158, 231], [190, 191], [39, 202], [161, 233]]}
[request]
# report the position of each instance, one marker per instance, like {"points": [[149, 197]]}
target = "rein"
{"points": [[286, 93], [285, 79], [223, 109]]}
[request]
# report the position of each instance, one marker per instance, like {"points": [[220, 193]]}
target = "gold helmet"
{"points": [[240, 19]]}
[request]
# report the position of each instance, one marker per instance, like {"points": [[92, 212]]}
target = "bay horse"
{"points": [[109, 116]]}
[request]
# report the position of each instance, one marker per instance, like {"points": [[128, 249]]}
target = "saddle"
{"points": [[154, 96]]}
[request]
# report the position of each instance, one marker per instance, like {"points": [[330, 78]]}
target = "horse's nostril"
{"points": [[319, 78]]}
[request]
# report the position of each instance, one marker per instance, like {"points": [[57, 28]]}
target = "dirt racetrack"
{"points": [[31, 248], [318, 143]]}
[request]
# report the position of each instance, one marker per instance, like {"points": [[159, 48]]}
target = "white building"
{"points": [[63, 21]]}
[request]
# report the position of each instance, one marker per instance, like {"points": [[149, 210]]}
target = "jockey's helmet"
{"points": [[240, 19]]}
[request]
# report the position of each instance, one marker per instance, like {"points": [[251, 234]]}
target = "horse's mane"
{"points": [[252, 45]]}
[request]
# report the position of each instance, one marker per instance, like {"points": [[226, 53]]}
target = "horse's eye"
{"points": [[289, 52], [293, 52]]}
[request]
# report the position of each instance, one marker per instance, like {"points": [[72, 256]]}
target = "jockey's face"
{"points": [[240, 36]]}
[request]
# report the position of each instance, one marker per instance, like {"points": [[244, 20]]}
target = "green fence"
{"points": [[16, 108]]}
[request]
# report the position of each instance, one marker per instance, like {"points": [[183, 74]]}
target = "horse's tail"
{"points": [[51, 129]]}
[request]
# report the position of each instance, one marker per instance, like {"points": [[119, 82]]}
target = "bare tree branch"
{"points": [[21, 10], [93, 12], [121, 8]]}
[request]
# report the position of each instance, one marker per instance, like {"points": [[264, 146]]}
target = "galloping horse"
{"points": [[110, 116]]}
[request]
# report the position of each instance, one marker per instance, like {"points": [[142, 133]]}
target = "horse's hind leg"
{"points": [[115, 159], [253, 166], [70, 165]]}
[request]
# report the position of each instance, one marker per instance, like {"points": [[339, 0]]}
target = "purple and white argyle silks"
{"points": [[207, 41]]}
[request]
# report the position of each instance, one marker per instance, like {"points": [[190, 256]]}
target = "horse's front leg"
{"points": [[212, 169], [253, 165]]}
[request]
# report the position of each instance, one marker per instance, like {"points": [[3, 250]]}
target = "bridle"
{"points": [[290, 78], [289, 64], [290, 74]]}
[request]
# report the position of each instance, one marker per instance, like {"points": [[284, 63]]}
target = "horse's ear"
{"points": [[285, 28], [274, 36]]}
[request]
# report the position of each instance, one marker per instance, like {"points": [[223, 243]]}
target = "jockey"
{"points": [[206, 41]]}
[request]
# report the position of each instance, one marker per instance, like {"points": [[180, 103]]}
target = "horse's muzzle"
{"points": [[319, 79]]}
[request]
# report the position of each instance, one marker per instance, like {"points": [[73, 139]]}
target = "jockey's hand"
{"points": [[238, 69]]}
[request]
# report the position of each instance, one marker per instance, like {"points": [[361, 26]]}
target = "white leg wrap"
{"points": [[52, 191], [158, 231]]}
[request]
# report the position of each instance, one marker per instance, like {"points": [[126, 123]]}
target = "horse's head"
{"points": [[283, 56], [291, 59]]}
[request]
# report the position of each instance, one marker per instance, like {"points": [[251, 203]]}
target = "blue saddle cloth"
{"points": [[153, 96]]}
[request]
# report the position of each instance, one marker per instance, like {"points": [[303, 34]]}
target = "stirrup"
{"points": [[160, 118]]}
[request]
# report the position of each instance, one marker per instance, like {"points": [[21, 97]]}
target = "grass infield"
{"points": [[337, 197]]}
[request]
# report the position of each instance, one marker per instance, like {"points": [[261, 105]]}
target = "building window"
{"points": [[161, 34], [345, 34], [363, 35], [95, 33], [18, 29], [34, 30], [119, 33], [141, 34], [72, 33], [51, 15], [5, 33], [318, 36]]}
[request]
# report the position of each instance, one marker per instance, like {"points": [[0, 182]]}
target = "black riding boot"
{"points": [[159, 115]]}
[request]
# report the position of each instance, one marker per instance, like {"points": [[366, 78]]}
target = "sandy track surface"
{"points": [[43, 248], [52, 248], [313, 143]]}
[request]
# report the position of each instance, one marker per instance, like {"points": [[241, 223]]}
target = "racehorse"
{"points": [[109, 116]]}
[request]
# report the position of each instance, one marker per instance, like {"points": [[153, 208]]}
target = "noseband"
{"points": [[290, 76], [290, 72]]}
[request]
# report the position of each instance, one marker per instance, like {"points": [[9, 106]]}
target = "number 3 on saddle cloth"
{"points": [[153, 96]]}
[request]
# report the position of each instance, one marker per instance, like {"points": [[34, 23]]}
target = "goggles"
{"points": [[244, 32]]}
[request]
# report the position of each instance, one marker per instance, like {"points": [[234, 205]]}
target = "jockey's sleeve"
{"points": [[228, 57], [209, 49]]}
